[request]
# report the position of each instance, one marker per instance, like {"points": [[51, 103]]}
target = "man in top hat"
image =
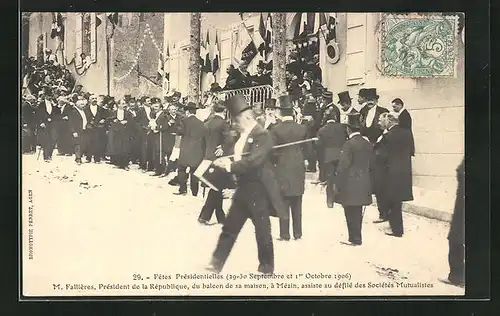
{"points": [[289, 166], [96, 129], [64, 139], [261, 78], [159, 135], [268, 120], [257, 195], [192, 149], [353, 180], [309, 113], [370, 113], [331, 139], [78, 121], [217, 141], [394, 172], [404, 118], [47, 116], [346, 108]]}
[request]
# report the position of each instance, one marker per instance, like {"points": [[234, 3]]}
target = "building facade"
{"points": [[128, 64]]}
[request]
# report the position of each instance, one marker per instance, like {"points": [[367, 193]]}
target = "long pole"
{"points": [[284, 145]]}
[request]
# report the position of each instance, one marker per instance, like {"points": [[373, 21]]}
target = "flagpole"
{"points": [[243, 22]]}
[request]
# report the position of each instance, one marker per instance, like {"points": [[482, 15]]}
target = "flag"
{"points": [[167, 63], [208, 61], [57, 26], [203, 53], [216, 64], [161, 67], [303, 24], [245, 45], [260, 39], [98, 21], [319, 21], [268, 39], [332, 28], [113, 18]]}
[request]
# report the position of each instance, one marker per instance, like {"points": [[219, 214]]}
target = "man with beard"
{"points": [[257, 195], [119, 144], [64, 138], [217, 141], [192, 149], [47, 116], [370, 114], [96, 129], [78, 121], [170, 125], [154, 143], [135, 132], [404, 118], [346, 107], [289, 166]]}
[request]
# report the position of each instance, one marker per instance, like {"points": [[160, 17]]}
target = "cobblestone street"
{"points": [[95, 224]]}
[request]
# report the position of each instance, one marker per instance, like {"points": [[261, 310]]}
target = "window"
{"points": [[85, 33], [356, 48]]}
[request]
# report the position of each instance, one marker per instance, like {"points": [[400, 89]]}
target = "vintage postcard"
{"points": [[242, 154]]}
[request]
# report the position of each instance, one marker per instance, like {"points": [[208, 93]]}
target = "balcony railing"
{"points": [[255, 96]]}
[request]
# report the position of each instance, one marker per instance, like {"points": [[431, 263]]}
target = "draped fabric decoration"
{"points": [[113, 19], [57, 26], [216, 61], [261, 38], [245, 45], [207, 65], [203, 53]]}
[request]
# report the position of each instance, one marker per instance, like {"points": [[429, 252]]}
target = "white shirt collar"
{"points": [[346, 111], [330, 121], [354, 134]]}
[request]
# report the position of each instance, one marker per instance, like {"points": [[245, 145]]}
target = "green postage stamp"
{"points": [[419, 45]]}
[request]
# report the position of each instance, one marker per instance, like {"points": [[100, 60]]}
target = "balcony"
{"points": [[255, 96]]}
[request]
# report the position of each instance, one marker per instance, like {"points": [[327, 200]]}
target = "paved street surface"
{"points": [[95, 224]]}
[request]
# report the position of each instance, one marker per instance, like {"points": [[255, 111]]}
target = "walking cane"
{"points": [[159, 131], [39, 152]]}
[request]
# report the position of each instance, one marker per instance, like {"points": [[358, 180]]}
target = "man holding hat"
{"points": [[346, 108], [257, 195], [268, 120], [353, 179], [192, 149], [370, 114], [289, 166]]}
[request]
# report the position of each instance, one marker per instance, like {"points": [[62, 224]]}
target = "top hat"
{"points": [[371, 94], [327, 95], [236, 105], [155, 100], [269, 65], [354, 120], [190, 106], [261, 64], [285, 102], [270, 104], [344, 96], [127, 97]]}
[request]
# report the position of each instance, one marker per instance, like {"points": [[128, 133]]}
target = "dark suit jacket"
{"points": [[331, 139], [353, 178], [169, 127], [405, 122], [257, 167], [76, 125], [217, 134], [44, 117], [94, 121], [374, 131], [192, 147], [393, 163], [457, 227], [289, 161]]}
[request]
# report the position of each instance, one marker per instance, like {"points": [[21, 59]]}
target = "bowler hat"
{"points": [[285, 102], [236, 105], [261, 64], [344, 96], [270, 104], [354, 120], [190, 106], [327, 95]]}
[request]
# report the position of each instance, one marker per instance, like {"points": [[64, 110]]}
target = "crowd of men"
{"points": [[358, 154]]}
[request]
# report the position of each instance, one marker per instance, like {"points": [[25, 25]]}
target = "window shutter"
{"points": [[225, 54], [356, 48], [93, 38], [78, 39]]}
